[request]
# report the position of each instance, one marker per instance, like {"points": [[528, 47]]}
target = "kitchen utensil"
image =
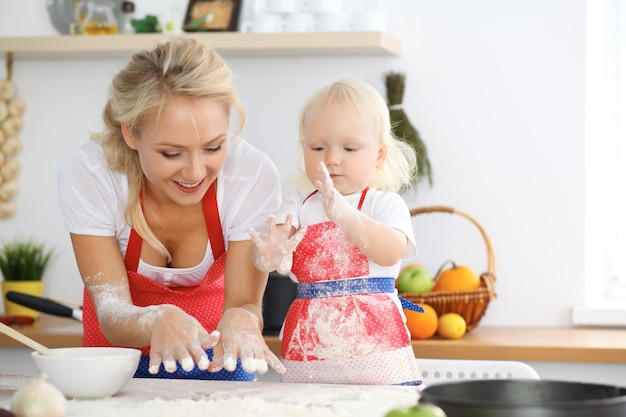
{"points": [[438, 371], [89, 372], [526, 398], [44, 305], [22, 338]]}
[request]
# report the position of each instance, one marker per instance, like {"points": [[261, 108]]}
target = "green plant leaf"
{"points": [[24, 260], [149, 24]]}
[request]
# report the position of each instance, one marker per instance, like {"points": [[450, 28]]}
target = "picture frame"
{"points": [[223, 16]]}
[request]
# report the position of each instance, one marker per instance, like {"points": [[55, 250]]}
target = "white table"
{"points": [[189, 398]]}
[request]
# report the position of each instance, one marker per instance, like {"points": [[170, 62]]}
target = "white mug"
{"points": [[322, 6], [264, 23], [300, 22], [369, 21], [333, 22], [277, 6]]}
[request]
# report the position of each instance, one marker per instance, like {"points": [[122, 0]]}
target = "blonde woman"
{"points": [[158, 208], [342, 241]]}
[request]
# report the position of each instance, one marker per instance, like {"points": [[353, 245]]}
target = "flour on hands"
{"points": [[274, 248], [336, 207], [241, 338]]}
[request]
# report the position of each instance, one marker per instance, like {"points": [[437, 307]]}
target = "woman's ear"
{"points": [[129, 137]]}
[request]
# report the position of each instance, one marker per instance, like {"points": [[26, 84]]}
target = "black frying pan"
{"points": [[526, 398]]}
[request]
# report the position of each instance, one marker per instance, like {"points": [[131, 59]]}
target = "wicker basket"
{"points": [[469, 304]]}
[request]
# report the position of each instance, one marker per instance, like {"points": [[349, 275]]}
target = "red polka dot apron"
{"points": [[343, 327], [205, 301]]}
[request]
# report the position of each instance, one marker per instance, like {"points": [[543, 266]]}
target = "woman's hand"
{"points": [[240, 337], [273, 249], [176, 336]]}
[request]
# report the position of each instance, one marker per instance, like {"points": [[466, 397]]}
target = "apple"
{"points": [[414, 278], [420, 410]]}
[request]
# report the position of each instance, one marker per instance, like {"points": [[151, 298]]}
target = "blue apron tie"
{"points": [[333, 288], [410, 305]]}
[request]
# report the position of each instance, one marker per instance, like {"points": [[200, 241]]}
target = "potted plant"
{"points": [[22, 263]]}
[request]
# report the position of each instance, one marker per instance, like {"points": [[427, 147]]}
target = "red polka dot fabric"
{"points": [[205, 301], [349, 339]]}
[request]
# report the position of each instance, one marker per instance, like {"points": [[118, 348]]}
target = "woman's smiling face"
{"points": [[182, 149]]}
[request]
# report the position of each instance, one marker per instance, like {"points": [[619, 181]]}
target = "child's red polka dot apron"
{"points": [[344, 327], [205, 301]]}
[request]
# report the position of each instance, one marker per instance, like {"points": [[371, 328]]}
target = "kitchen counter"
{"points": [[189, 398], [584, 345]]}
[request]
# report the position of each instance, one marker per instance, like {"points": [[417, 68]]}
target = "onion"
{"points": [[4, 110], [39, 398], [8, 190], [11, 125], [16, 107], [11, 146], [7, 209], [7, 89], [8, 169]]}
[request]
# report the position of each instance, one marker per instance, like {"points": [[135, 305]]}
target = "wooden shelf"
{"points": [[226, 43]]}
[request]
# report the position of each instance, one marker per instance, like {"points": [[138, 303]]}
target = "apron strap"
{"points": [[133, 251], [360, 201], [213, 223]]}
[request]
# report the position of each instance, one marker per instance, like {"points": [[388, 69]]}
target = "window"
{"points": [[605, 295]]}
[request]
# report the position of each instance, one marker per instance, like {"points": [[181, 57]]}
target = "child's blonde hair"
{"points": [[400, 166]]}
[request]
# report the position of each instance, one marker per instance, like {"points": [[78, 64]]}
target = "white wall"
{"points": [[496, 89]]}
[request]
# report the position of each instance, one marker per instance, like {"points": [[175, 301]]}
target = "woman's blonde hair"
{"points": [[182, 67], [400, 166]]}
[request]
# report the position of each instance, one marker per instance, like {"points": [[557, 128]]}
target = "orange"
{"points": [[422, 325], [457, 278]]}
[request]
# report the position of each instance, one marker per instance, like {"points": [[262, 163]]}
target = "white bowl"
{"points": [[88, 372]]}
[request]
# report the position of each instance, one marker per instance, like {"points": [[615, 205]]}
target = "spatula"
{"points": [[22, 338]]}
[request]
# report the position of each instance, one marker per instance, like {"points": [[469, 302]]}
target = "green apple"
{"points": [[420, 410], [414, 278]]}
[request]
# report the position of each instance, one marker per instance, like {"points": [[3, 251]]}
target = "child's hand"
{"points": [[336, 207], [274, 248]]}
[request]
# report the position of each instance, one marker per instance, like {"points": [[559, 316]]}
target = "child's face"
{"points": [[346, 144]]}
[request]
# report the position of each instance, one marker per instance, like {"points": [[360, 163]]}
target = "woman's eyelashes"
{"points": [[172, 155]]}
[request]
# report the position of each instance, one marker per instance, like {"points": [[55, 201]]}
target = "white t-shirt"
{"points": [[386, 207], [93, 199]]}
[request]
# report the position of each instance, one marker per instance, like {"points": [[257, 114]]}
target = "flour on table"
{"points": [[190, 398]]}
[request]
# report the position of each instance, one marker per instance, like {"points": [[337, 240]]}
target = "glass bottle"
{"points": [[96, 17], [128, 11]]}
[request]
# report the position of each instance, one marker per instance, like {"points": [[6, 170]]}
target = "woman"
{"points": [[158, 208]]}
